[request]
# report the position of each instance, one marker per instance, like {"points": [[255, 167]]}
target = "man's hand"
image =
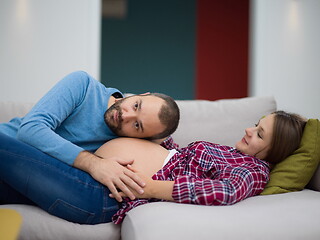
{"points": [[112, 173], [153, 188]]}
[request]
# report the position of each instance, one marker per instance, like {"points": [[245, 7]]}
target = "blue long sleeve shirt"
{"points": [[67, 120]]}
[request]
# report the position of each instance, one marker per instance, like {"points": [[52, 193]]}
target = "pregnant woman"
{"points": [[201, 173]]}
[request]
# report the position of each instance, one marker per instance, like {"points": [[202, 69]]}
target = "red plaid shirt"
{"points": [[207, 174]]}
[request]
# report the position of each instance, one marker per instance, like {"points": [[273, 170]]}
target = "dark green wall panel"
{"points": [[151, 49]]}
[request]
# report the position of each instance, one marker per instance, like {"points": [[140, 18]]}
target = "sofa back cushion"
{"points": [[222, 121], [9, 110]]}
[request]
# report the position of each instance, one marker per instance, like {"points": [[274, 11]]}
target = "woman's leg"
{"points": [[54, 186]]}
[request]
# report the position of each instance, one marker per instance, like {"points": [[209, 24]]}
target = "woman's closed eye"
{"points": [[258, 130]]}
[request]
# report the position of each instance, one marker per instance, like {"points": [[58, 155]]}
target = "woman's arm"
{"points": [[162, 190], [232, 186], [226, 190], [154, 188]]}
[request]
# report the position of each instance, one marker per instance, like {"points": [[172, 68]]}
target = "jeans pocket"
{"points": [[70, 213]]}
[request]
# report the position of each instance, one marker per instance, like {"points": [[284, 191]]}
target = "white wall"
{"points": [[286, 54], [43, 40]]}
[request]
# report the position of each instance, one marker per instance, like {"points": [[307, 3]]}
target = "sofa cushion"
{"points": [[38, 225], [294, 173], [293, 215]]}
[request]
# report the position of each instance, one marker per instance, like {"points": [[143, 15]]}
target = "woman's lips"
{"points": [[244, 140]]}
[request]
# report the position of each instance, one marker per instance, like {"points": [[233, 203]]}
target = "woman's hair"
{"points": [[286, 137]]}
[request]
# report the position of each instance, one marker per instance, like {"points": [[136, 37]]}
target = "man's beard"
{"points": [[109, 118]]}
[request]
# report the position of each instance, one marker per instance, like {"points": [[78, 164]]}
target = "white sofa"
{"points": [[294, 215]]}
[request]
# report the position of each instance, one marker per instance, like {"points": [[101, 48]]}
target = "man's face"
{"points": [[135, 116]]}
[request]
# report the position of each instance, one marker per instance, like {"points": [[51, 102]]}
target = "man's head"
{"points": [[150, 116]]}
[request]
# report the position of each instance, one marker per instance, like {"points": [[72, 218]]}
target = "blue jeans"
{"points": [[29, 176]]}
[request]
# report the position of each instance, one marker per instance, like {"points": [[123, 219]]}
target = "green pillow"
{"points": [[294, 173]]}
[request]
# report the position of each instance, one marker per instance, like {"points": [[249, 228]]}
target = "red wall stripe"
{"points": [[222, 49]]}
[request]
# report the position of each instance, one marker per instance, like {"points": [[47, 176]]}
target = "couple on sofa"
{"points": [[58, 156]]}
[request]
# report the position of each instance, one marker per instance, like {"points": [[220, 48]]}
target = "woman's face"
{"points": [[257, 140]]}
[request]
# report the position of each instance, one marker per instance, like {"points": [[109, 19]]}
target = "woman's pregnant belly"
{"points": [[148, 156]]}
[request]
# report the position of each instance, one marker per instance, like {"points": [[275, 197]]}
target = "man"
{"points": [[79, 114]]}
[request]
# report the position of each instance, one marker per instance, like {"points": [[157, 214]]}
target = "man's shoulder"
{"points": [[80, 78]]}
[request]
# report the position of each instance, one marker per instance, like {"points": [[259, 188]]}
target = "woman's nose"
{"points": [[248, 131]]}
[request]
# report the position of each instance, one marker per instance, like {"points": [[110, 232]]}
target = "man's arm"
{"points": [[39, 125], [111, 173]]}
